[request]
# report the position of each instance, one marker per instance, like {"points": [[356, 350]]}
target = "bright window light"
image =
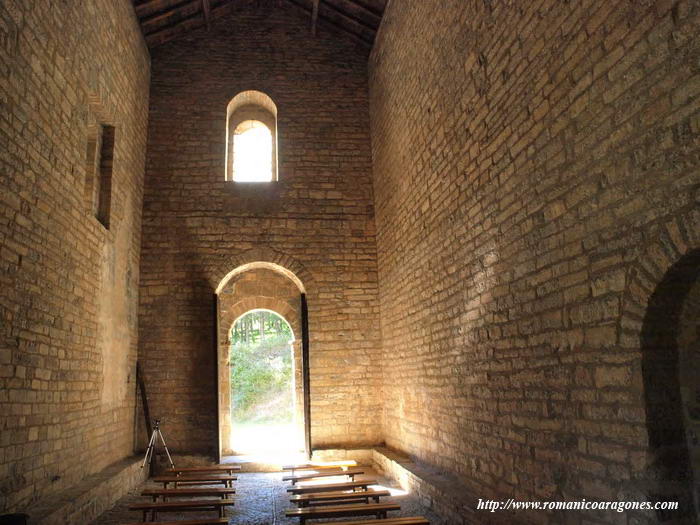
{"points": [[252, 152]]}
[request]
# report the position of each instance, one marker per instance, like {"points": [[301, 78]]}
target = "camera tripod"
{"points": [[152, 445]]}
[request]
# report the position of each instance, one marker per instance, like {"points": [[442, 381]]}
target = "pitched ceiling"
{"points": [[165, 20]]}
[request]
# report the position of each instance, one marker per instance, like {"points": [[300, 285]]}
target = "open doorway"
{"points": [[261, 368]]}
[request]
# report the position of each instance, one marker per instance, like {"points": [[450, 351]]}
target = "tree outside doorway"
{"points": [[262, 383]]}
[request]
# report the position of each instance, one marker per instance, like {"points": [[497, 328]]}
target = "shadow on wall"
{"points": [[176, 341], [670, 358]]}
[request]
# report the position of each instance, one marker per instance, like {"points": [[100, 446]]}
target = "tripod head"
{"points": [[156, 424]]}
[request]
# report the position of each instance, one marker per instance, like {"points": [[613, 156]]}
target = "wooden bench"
{"points": [[334, 497], [181, 506], [348, 485], [409, 520], [213, 521], [188, 492], [195, 480], [228, 469], [341, 511], [314, 465], [351, 473]]}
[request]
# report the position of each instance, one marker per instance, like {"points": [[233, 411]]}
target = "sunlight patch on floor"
{"points": [[392, 490]]}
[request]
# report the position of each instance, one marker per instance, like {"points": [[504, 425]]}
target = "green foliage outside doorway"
{"points": [[261, 369]]}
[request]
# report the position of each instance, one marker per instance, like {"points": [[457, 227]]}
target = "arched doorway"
{"points": [[260, 287], [261, 369], [670, 361]]}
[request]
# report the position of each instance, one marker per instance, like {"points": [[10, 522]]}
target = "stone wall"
{"points": [[68, 285], [317, 221], [535, 174]]}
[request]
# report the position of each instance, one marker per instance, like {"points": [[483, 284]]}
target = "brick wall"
{"points": [[67, 285], [316, 221], [535, 174]]}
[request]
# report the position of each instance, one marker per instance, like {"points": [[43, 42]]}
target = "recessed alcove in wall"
{"points": [[671, 359]]}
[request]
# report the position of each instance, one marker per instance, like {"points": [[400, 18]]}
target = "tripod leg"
{"points": [[172, 465], [149, 449]]}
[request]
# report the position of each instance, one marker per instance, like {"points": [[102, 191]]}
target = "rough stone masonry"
{"points": [[494, 216], [535, 174]]}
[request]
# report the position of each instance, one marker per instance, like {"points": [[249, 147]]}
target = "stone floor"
{"points": [[261, 499]]}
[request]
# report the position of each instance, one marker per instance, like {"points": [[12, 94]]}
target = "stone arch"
{"points": [[658, 284], [257, 286], [280, 307], [262, 256]]}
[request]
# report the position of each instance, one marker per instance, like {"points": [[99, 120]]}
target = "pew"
{"points": [[351, 473], [181, 506], [315, 465], [341, 511], [225, 469], [188, 492], [212, 521], [335, 497], [409, 520], [348, 485], [196, 480]]}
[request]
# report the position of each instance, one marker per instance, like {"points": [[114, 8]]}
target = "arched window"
{"points": [[251, 138]]}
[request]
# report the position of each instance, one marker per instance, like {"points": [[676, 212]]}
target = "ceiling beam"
{"points": [[366, 7], [148, 7], [349, 17], [170, 31], [314, 16], [186, 7], [189, 22], [184, 15], [359, 11], [206, 8], [355, 36]]}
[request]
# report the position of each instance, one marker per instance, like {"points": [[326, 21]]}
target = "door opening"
{"points": [[262, 381]]}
